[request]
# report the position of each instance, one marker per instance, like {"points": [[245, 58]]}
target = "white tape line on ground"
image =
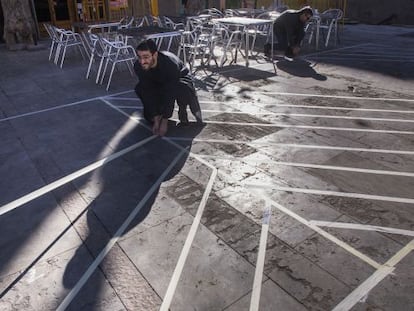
{"points": [[187, 245], [317, 166], [305, 115], [299, 146], [334, 193], [123, 98], [324, 128], [365, 60], [337, 96], [339, 108], [131, 107], [338, 49], [320, 231], [258, 274], [351, 226], [363, 290], [56, 107], [190, 237], [64, 180], [74, 291]]}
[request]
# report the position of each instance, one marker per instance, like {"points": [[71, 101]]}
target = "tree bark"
{"points": [[19, 25]]}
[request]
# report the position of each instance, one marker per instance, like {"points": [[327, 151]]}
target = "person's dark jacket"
{"points": [[162, 81], [289, 29]]}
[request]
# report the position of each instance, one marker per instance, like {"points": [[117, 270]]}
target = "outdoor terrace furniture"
{"points": [[61, 40], [327, 23], [104, 27], [247, 26], [115, 52], [158, 34]]}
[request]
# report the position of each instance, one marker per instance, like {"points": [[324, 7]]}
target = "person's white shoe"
{"points": [[289, 59]]}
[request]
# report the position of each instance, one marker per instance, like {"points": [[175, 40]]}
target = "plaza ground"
{"points": [[296, 193]]}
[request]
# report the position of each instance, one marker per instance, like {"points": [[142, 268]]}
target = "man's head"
{"points": [[147, 54], [305, 14]]}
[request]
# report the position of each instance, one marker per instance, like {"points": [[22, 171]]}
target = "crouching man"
{"points": [[164, 79]]}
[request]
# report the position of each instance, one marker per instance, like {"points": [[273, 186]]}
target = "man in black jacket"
{"points": [[164, 79], [289, 29]]}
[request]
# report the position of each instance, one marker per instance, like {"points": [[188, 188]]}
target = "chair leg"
{"points": [[104, 71], [90, 66], [57, 53], [52, 46], [98, 74], [110, 76], [63, 57], [328, 35]]}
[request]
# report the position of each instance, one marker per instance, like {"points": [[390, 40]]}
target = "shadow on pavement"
{"points": [[144, 170], [300, 68]]}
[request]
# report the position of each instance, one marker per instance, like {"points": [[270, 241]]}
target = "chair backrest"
{"points": [[231, 12], [216, 13], [331, 14]]}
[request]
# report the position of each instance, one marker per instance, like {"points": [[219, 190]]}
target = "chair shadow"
{"points": [[131, 184], [300, 68]]}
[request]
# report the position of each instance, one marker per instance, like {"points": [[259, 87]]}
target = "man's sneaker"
{"points": [[289, 59]]}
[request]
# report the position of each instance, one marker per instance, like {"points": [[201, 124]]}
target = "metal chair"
{"points": [[54, 37], [115, 52], [325, 22], [67, 38]]}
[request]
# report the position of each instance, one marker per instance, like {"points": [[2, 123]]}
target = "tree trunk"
{"points": [[19, 28]]}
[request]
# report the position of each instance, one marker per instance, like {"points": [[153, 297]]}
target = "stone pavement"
{"points": [[297, 193]]}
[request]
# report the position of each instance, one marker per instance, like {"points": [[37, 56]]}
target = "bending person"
{"points": [[164, 79], [289, 29]]}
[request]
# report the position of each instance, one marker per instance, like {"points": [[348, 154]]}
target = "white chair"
{"points": [[126, 23], [97, 53], [54, 37], [260, 31], [68, 38], [230, 13], [325, 22], [231, 42], [213, 12], [115, 52]]}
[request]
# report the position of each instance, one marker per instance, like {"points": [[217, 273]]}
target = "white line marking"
{"points": [[74, 291], [190, 237], [165, 306], [325, 234], [56, 107], [326, 128], [340, 108], [343, 225], [269, 143], [338, 49], [311, 115], [317, 166], [339, 96], [363, 290], [125, 98], [134, 107], [334, 193], [64, 180], [366, 59], [258, 274]]}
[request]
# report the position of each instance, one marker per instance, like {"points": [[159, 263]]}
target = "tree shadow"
{"points": [[300, 68]]}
